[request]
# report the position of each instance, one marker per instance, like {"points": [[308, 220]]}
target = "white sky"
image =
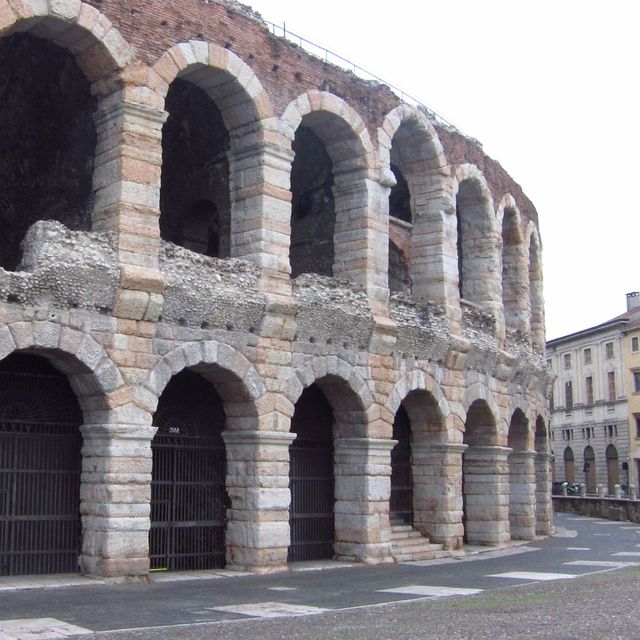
{"points": [[550, 88]]}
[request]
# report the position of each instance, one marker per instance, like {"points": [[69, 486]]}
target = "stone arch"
{"points": [[485, 472], [94, 378], [234, 378], [536, 296], [480, 392], [347, 393], [521, 478], [203, 62], [418, 381], [348, 194], [477, 241], [541, 436], [62, 55], [515, 284], [230, 112], [409, 142], [98, 46]]}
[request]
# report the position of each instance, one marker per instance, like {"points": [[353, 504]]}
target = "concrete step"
{"points": [[408, 544]]}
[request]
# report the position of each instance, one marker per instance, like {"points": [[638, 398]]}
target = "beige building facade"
{"points": [[253, 310], [593, 430]]}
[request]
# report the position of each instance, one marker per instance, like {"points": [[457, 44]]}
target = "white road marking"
{"points": [[561, 532], [632, 528], [582, 518], [270, 610], [532, 575], [601, 534], [578, 548], [629, 554], [436, 592], [282, 588], [607, 522], [600, 563], [39, 628]]}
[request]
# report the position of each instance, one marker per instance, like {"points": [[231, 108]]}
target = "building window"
{"points": [[567, 361], [636, 381], [608, 347], [551, 402], [611, 384], [589, 390], [587, 356], [634, 343], [568, 395], [637, 417]]}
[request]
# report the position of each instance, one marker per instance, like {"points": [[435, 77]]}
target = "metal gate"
{"points": [[311, 515], [40, 466], [188, 496], [401, 503]]}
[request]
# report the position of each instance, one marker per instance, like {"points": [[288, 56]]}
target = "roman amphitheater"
{"points": [[254, 310]]}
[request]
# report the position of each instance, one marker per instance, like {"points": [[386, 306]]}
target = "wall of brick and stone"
{"points": [[120, 311]]}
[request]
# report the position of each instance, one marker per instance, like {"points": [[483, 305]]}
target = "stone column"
{"points": [[522, 499], [258, 484], [486, 494], [362, 492], [544, 505], [115, 497], [437, 492], [126, 182], [261, 206]]}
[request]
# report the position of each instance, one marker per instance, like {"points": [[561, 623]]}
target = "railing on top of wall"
{"points": [[336, 59]]}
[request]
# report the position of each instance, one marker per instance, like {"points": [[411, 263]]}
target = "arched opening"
{"points": [[48, 141], [536, 325], [194, 194], [188, 494], [399, 277], [313, 215], [590, 469], [400, 196], [483, 484], [311, 472], [613, 470], [476, 244], [40, 464], [401, 503], [514, 276], [569, 465], [521, 479]]}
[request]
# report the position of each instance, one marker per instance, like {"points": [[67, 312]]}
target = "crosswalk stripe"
{"points": [[532, 575], [437, 592]]}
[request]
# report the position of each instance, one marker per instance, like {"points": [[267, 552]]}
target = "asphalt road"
{"points": [[583, 583]]}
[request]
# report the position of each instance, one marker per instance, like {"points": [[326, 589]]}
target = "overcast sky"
{"points": [[550, 88]]}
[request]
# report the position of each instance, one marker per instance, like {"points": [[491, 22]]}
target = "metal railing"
{"points": [[333, 58]]}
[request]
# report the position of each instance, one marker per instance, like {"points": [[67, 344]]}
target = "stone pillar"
{"points": [[115, 497], [362, 492], [261, 206], [437, 492], [522, 498], [258, 485], [126, 181], [486, 494], [544, 505]]}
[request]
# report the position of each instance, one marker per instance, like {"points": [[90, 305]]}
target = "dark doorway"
{"points": [[40, 466], [188, 496], [401, 504], [47, 141], [311, 479]]}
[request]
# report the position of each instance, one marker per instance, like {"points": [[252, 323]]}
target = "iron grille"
{"points": [[40, 465], [188, 496]]}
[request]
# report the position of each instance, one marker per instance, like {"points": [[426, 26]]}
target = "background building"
{"points": [[595, 401]]}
